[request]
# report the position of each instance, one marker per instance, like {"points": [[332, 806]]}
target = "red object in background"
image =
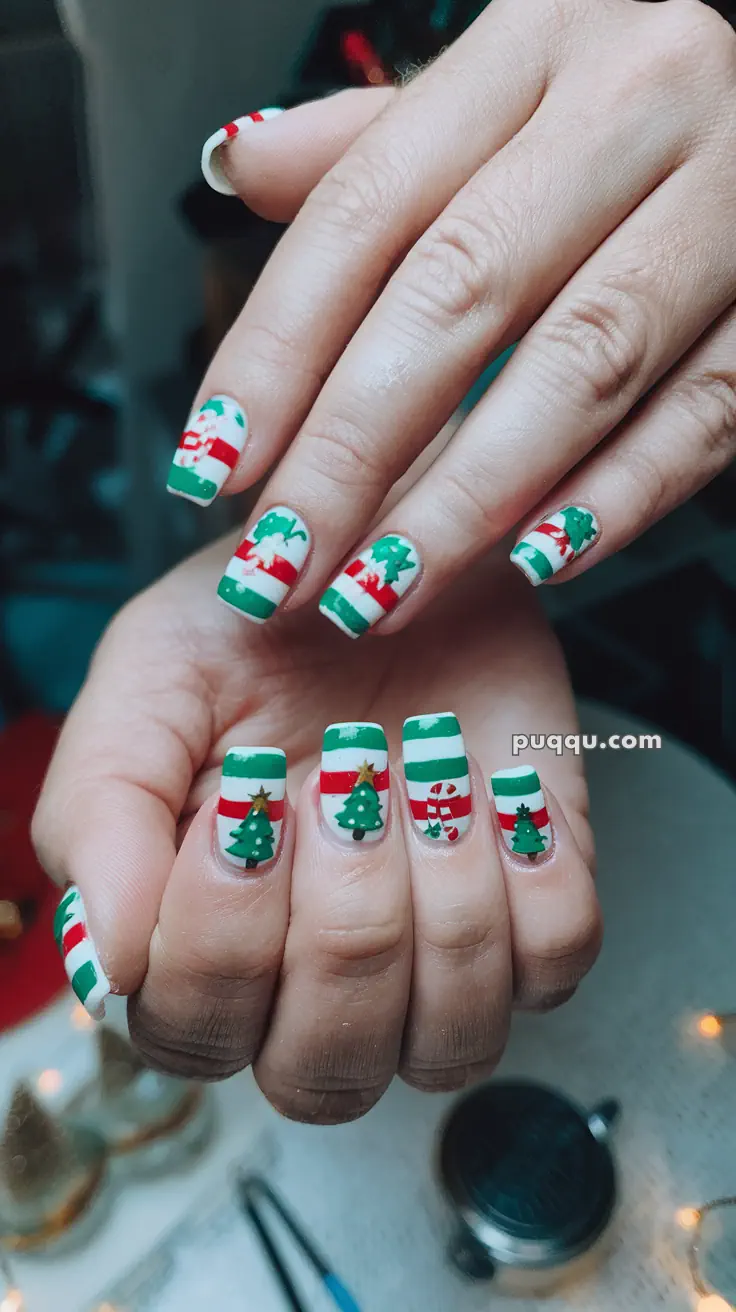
{"points": [[360, 53], [31, 972]]}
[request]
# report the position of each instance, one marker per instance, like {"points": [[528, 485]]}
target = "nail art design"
{"points": [[208, 450], [522, 811], [81, 961], [437, 778], [354, 782], [212, 168], [266, 565], [250, 812], [555, 542], [371, 585]]}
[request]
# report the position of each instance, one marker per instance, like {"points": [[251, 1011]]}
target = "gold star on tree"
{"points": [[260, 801], [366, 774]]}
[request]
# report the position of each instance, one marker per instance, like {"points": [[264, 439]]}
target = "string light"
{"points": [[80, 1018], [710, 1027], [713, 1303], [48, 1083], [687, 1217]]}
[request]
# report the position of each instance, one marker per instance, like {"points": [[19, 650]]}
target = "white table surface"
{"points": [[666, 830]]}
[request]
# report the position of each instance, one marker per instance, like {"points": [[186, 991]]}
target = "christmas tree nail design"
{"points": [[208, 450], [550, 546], [437, 778], [266, 565], [212, 168], [250, 811], [522, 811], [354, 782], [371, 585], [81, 961]]}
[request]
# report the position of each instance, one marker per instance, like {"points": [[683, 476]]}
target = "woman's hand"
{"points": [[564, 174], [336, 962]]}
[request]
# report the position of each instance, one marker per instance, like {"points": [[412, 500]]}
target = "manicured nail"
{"points": [[522, 811], [266, 565], [208, 450], [354, 783], [81, 961], [250, 811], [371, 585], [212, 168], [559, 539], [437, 778]]}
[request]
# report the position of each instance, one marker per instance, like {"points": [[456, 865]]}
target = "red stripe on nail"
{"points": [[223, 451], [280, 568], [239, 810], [343, 781], [231, 129], [383, 593], [453, 806], [538, 819], [75, 935]]}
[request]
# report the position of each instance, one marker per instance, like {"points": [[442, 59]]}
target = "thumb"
{"points": [[274, 167]]}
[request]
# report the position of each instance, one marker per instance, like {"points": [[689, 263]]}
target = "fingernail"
{"points": [[208, 450], [371, 585], [554, 543], [266, 565], [250, 812], [522, 812], [437, 778], [81, 961], [212, 163], [354, 782]]}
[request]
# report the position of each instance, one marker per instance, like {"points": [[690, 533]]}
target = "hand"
{"points": [[563, 174], [336, 963]]}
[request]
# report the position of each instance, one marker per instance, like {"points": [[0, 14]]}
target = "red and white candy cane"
{"points": [[439, 810]]}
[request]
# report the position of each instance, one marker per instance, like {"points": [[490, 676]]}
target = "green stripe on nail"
{"points": [[190, 484], [430, 726], [333, 601], [245, 599], [422, 772], [254, 765], [516, 785], [536, 559], [61, 915], [366, 736], [83, 980]]}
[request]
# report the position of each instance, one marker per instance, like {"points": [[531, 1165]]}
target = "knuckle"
{"points": [[548, 973], [650, 482], [598, 345], [344, 453], [468, 939], [470, 503], [693, 36], [709, 397], [447, 1077], [365, 950], [460, 263], [211, 1046], [320, 1103]]}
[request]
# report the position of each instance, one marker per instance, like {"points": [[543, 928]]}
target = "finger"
{"points": [[555, 918], [619, 325], [679, 440], [216, 951], [460, 1006], [358, 221], [335, 1035], [274, 168], [101, 826]]}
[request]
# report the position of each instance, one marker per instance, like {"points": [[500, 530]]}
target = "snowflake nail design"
{"points": [[371, 585], [266, 565], [211, 161], [559, 539]]}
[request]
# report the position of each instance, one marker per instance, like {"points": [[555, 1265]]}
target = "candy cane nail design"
{"points": [[81, 961], [371, 585], [522, 811], [550, 546], [250, 812], [208, 450], [212, 168], [354, 782], [266, 565], [437, 778]]}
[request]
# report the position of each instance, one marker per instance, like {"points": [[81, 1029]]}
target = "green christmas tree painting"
{"points": [[527, 839], [578, 526], [394, 555], [254, 835], [362, 809], [273, 523], [434, 829]]}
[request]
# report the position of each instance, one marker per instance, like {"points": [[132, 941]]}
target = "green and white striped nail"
{"points": [[437, 778], [354, 781], [522, 811], [81, 961]]}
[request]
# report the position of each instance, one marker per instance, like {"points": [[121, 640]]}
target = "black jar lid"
{"points": [[529, 1177]]}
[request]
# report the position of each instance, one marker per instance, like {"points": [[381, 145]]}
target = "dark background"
{"points": [[83, 519]]}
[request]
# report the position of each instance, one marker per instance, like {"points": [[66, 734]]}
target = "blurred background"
{"points": [[119, 273]]}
